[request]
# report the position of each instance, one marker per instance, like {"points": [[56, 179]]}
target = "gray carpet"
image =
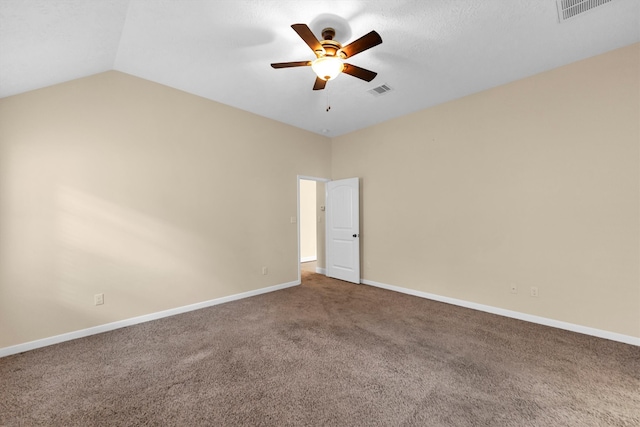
{"points": [[326, 353]]}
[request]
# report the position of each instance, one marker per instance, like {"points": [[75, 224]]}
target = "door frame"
{"points": [[306, 178]]}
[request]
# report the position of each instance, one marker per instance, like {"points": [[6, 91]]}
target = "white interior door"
{"points": [[343, 229]]}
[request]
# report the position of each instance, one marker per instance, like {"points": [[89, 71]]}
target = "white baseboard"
{"points": [[308, 258], [627, 339], [19, 348], [321, 270]]}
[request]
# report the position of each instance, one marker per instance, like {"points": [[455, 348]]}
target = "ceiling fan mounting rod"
{"points": [[328, 33]]}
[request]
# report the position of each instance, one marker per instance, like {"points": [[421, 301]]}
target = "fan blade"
{"points": [[358, 72], [363, 43], [319, 84], [290, 64], [305, 34]]}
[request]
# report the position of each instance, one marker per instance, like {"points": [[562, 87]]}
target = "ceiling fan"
{"points": [[330, 55]]}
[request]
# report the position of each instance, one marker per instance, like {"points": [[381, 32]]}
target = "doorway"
{"points": [[308, 226], [311, 224]]}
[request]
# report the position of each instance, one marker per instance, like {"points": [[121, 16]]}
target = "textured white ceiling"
{"points": [[433, 50]]}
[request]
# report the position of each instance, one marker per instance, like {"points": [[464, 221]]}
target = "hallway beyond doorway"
{"points": [[308, 266]]}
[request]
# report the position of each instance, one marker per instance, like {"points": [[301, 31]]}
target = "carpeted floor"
{"points": [[326, 353]]}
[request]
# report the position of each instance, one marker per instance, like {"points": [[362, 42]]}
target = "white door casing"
{"points": [[343, 229]]}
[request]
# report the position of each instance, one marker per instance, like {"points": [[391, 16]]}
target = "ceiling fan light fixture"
{"points": [[327, 67]]}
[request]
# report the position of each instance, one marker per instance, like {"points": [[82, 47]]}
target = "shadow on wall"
{"points": [[137, 261]]}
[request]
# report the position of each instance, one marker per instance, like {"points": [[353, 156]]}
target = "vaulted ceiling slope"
{"points": [[432, 52]]}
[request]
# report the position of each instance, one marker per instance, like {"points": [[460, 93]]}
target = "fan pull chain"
{"points": [[328, 104]]}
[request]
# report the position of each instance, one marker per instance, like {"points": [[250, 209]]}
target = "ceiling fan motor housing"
{"points": [[331, 47]]}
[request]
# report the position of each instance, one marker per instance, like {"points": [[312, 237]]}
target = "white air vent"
{"points": [[380, 90], [568, 9]]}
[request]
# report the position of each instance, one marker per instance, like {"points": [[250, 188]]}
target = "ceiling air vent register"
{"points": [[568, 9], [380, 90]]}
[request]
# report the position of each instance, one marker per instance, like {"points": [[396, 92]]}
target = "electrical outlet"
{"points": [[534, 291], [514, 289], [98, 299], [265, 270]]}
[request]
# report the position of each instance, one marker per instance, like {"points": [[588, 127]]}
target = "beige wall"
{"points": [[534, 183], [160, 199], [154, 197], [308, 235]]}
